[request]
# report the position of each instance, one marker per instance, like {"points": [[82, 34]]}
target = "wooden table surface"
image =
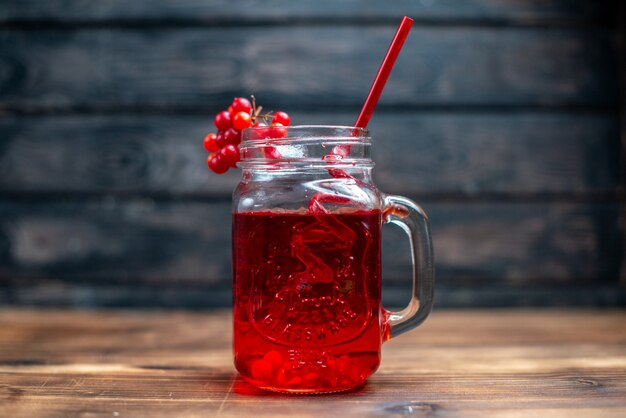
{"points": [[540, 363]]}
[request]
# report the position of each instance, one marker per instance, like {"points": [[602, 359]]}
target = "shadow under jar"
{"points": [[307, 222]]}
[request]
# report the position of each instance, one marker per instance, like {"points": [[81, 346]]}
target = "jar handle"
{"points": [[413, 220]]}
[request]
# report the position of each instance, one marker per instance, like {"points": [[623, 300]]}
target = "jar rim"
{"points": [[254, 135], [312, 146]]}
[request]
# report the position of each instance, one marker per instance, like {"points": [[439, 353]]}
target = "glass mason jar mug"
{"points": [[307, 222]]}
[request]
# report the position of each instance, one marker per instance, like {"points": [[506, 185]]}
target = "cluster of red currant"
{"points": [[223, 146]]}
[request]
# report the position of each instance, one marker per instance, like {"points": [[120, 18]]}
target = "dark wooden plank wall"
{"points": [[502, 118]]}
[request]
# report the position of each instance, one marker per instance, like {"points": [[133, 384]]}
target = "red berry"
{"points": [[241, 104], [259, 133], [230, 155], [277, 130], [294, 381], [220, 141], [344, 365], [271, 152], [231, 136], [209, 143], [281, 377], [231, 111], [216, 163], [241, 121], [274, 358], [222, 121], [281, 117], [311, 378], [261, 370]]}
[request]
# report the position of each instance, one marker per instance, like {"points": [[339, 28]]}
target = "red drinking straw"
{"points": [[366, 112], [383, 72]]}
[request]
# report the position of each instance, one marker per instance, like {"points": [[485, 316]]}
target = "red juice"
{"points": [[307, 288]]}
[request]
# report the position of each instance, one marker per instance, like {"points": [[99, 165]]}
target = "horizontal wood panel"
{"points": [[142, 241], [415, 152], [68, 10], [303, 66], [46, 292]]}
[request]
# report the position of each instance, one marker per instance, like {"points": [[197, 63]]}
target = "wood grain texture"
{"points": [[196, 66], [458, 364], [179, 243], [241, 10], [90, 294], [442, 153]]}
